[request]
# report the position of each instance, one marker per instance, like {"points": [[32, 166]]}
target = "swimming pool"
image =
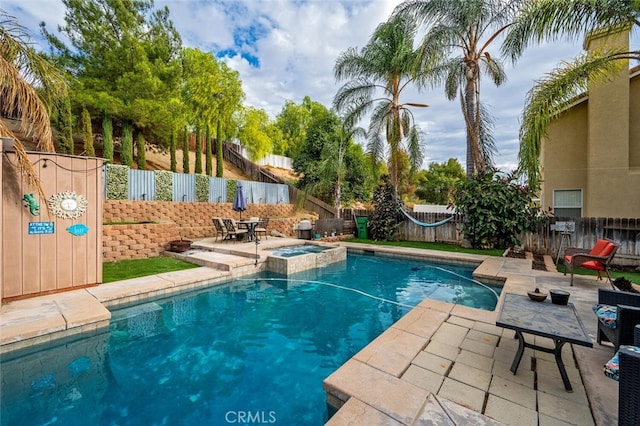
{"points": [[256, 349]]}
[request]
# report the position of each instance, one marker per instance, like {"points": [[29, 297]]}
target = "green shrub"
{"points": [[231, 189], [383, 223], [202, 188], [117, 182], [496, 209], [164, 185]]}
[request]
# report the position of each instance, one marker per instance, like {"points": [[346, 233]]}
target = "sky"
{"points": [[286, 50]]}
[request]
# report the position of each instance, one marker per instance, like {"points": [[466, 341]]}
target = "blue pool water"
{"points": [[257, 349], [297, 250]]}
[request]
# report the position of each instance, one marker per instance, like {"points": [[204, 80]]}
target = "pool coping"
{"points": [[53, 318]]}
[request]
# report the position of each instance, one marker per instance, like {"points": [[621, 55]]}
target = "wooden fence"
{"points": [[584, 232], [547, 239]]}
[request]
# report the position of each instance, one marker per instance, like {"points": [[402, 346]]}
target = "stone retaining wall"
{"points": [[175, 220]]}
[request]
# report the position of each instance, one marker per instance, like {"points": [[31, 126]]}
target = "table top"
{"points": [[542, 319]]}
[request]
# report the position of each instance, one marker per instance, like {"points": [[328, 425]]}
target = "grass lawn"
{"points": [[430, 246], [134, 268], [632, 276]]}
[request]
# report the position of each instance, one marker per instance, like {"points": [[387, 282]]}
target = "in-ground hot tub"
{"points": [[297, 250], [290, 259]]}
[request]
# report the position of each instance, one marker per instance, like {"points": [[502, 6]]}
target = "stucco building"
{"points": [[591, 156]]}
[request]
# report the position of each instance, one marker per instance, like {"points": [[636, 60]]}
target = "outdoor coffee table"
{"points": [[560, 323]]}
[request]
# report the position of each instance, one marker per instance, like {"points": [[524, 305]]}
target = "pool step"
{"points": [[214, 259]]}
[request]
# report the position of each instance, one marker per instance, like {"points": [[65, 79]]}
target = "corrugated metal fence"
{"points": [[141, 185]]}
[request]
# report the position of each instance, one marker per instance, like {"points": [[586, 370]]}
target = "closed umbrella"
{"points": [[239, 204]]}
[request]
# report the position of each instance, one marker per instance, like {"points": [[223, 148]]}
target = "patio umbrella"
{"points": [[239, 204]]}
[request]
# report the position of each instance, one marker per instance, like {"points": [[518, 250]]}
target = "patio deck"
{"points": [[439, 362]]}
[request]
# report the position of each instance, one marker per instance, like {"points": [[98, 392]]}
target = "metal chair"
{"points": [[261, 228], [221, 231], [598, 258], [233, 230]]}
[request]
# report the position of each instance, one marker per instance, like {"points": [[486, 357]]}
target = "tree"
{"points": [[253, 133], [219, 151], [378, 75], [332, 169], [172, 152], [107, 136], [126, 145], [458, 36], [292, 122], [87, 134], [64, 124], [30, 86], [333, 166], [438, 182], [550, 20], [208, 153], [198, 166], [141, 159], [123, 59], [185, 151]]}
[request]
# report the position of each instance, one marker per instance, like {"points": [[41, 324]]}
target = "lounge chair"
{"points": [[233, 230], [618, 313], [598, 258], [262, 227], [625, 368], [221, 231]]}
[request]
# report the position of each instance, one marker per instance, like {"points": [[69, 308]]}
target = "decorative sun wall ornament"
{"points": [[68, 205]]}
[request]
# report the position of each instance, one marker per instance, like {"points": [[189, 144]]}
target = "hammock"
{"points": [[417, 222]]}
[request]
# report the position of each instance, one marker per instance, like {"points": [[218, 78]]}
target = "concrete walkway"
{"points": [[438, 363]]}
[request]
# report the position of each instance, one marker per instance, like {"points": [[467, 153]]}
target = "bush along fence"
{"points": [[124, 183]]}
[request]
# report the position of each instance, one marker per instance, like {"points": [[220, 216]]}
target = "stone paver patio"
{"points": [[439, 364]]}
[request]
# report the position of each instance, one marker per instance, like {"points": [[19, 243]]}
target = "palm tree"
{"points": [[333, 167], [571, 19], [29, 83], [379, 73], [461, 32]]}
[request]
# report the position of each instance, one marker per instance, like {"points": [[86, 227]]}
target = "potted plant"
{"points": [[179, 246]]}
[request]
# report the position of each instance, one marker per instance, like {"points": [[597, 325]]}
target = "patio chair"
{"points": [[618, 313], [233, 230], [625, 368], [221, 231], [598, 258], [262, 227]]}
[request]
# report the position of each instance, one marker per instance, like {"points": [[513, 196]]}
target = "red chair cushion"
{"points": [[599, 247], [607, 250], [593, 264]]}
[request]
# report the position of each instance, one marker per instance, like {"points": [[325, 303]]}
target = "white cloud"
{"points": [[296, 44]]}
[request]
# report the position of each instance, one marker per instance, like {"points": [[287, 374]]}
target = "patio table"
{"points": [[250, 225], [560, 323]]}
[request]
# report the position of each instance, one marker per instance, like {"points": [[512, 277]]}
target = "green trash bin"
{"points": [[361, 223]]}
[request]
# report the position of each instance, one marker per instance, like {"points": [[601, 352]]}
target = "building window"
{"points": [[567, 202]]}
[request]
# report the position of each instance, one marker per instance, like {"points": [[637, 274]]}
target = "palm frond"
{"points": [[551, 20]]}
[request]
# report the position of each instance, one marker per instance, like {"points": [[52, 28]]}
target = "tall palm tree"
{"points": [[29, 84], [571, 19], [461, 32], [378, 74]]}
